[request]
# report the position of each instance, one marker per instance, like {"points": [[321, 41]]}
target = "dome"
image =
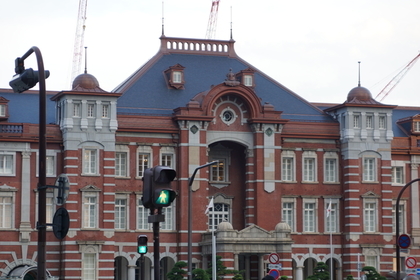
{"points": [[85, 81], [359, 93], [224, 226], [282, 227]]}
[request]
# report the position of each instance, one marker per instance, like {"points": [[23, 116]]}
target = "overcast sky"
{"points": [[310, 46]]}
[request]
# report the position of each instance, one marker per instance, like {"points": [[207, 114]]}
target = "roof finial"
{"points": [[359, 75], [231, 24], [85, 60], [163, 20]]}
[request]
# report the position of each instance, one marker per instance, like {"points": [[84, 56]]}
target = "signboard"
{"points": [[275, 273], [411, 262], [404, 241], [277, 266], [418, 271], [274, 258], [411, 271]]}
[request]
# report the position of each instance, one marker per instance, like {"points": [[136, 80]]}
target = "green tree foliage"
{"points": [[349, 277], [284, 277], [177, 272], [320, 272], [200, 274], [221, 270], [372, 274]]}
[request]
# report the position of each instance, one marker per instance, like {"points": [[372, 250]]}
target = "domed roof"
{"points": [[359, 93], [85, 81], [224, 226], [282, 227]]}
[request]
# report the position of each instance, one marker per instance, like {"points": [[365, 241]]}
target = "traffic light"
{"points": [[26, 80], [142, 244], [157, 190]]}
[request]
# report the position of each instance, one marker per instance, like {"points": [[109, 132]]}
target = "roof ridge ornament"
{"points": [[231, 79]]}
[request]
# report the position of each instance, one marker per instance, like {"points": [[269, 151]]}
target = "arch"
{"points": [[27, 272]]}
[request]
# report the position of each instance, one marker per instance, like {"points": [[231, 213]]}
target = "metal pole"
{"points": [[156, 244], [397, 225], [190, 182]]}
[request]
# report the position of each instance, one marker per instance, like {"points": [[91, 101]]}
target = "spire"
{"points": [[85, 60], [163, 20], [358, 84]]}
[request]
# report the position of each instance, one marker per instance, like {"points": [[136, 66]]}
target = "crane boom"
{"points": [[79, 39], [211, 26], [390, 86]]}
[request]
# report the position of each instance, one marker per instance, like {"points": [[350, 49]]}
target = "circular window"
{"points": [[228, 116]]}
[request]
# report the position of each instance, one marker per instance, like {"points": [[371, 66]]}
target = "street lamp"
{"points": [[397, 225], [22, 81], [190, 182]]}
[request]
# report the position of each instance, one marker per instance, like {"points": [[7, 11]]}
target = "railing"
{"points": [[11, 128], [183, 45]]}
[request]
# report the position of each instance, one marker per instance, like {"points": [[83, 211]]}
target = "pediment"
{"points": [[90, 188], [253, 231]]}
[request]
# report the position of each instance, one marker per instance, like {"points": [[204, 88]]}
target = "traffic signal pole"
{"points": [[156, 244]]}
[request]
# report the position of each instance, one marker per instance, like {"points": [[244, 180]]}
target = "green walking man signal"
{"points": [[142, 244], [157, 190]]}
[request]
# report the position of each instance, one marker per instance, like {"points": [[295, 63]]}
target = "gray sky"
{"points": [[314, 46]]}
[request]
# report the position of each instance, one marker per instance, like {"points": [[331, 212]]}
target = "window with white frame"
{"points": [[370, 215], [2, 110], [397, 175], [50, 208], [105, 111], [7, 164], [382, 122], [330, 170], [220, 212], [6, 210], [120, 213], [356, 121], [144, 161], [288, 212], [89, 266], [371, 261], [90, 161], [401, 217], [369, 169], [416, 126], [177, 77], [50, 165], [90, 110], [309, 166], [331, 217], [288, 166], [167, 160], [369, 121], [90, 209], [168, 224], [142, 215], [121, 161], [309, 215], [76, 109], [247, 80]]}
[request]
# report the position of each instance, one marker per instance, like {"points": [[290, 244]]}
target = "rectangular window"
{"points": [[248, 80], [76, 109], [217, 214], [168, 224], [288, 169], [143, 163], [397, 175], [309, 217], [6, 164], [89, 211], [331, 219], [330, 170], [370, 217], [90, 110], [50, 209], [142, 214], [382, 122], [416, 125], [105, 111], [50, 165], [288, 214], [177, 77], [356, 121], [218, 171], [309, 169], [90, 161], [2, 110], [167, 160], [121, 164], [120, 213], [369, 169], [89, 266], [369, 121], [371, 261], [5, 211], [401, 217]]}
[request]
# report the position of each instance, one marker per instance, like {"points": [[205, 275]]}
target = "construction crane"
{"points": [[79, 40], [390, 86], [211, 26]]}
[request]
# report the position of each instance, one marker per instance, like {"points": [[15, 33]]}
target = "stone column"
{"points": [[299, 273], [26, 209], [131, 272]]}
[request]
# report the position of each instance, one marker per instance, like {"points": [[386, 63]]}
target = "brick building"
{"points": [[283, 161]]}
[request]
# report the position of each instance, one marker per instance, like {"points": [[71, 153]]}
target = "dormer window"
{"points": [[175, 76], [4, 112], [416, 126], [246, 77]]}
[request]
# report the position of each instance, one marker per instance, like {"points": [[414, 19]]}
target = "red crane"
{"points": [[390, 86], [211, 26]]}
